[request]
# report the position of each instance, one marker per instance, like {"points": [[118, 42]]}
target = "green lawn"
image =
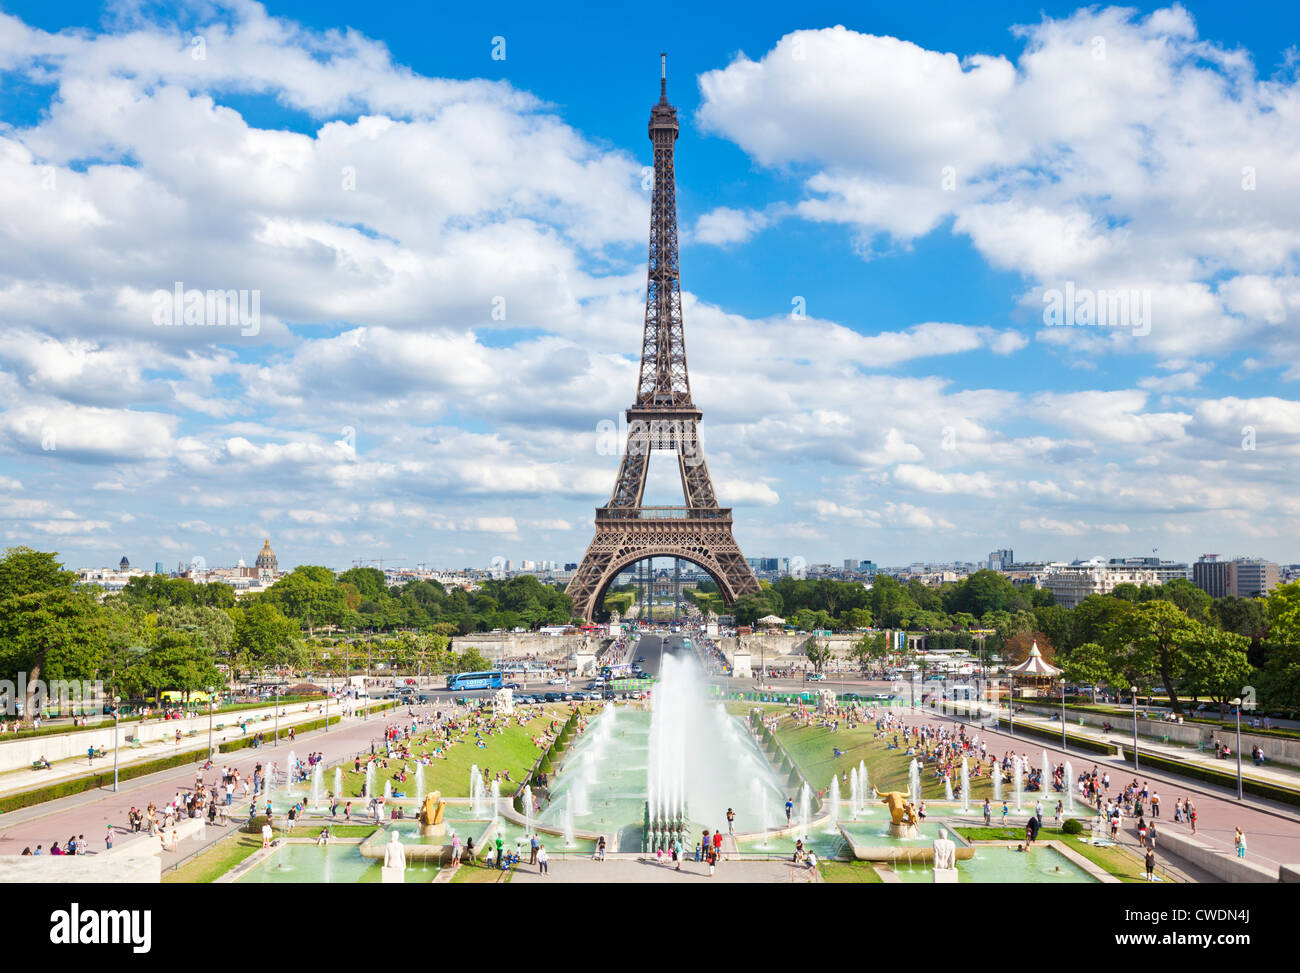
{"points": [[811, 747], [844, 873], [477, 875], [225, 855], [512, 751]]}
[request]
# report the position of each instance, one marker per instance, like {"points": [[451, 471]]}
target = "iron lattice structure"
{"points": [[663, 417]]}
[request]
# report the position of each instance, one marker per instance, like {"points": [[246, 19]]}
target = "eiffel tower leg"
{"points": [[702, 537]]}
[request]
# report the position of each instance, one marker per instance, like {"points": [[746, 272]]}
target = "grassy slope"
{"points": [[512, 751], [845, 873], [811, 748]]}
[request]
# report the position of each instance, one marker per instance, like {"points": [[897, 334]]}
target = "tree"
{"points": [[1215, 664], [1284, 613], [263, 636], [177, 662], [1015, 650], [1158, 634], [49, 629], [310, 596], [1090, 664], [819, 653]]}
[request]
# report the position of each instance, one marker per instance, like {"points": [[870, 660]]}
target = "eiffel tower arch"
{"points": [[663, 417]]}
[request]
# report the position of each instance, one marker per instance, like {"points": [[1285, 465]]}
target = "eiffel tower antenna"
{"points": [[663, 416]]}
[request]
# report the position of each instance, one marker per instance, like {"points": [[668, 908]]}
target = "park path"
{"points": [[92, 812], [1272, 830]]}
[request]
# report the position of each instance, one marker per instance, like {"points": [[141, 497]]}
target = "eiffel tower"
{"points": [[663, 417]]}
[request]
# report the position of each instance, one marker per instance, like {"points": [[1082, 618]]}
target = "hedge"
{"points": [[90, 782], [107, 724], [244, 742], [1258, 788], [1079, 743]]}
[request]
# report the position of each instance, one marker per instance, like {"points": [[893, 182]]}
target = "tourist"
{"points": [[1191, 816], [542, 859], [266, 834], [1239, 842], [533, 842], [731, 821], [1038, 812], [1151, 865], [1060, 808], [1031, 831], [455, 849], [600, 850], [713, 860], [988, 813], [789, 808]]}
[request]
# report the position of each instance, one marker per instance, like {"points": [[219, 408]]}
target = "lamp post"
{"points": [[211, 699], [1063, 746], [1011, 700], [117, 713], [1133, 690], [1237, 704], [276, 698]]}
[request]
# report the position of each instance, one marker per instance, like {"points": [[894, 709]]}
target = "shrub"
{"points": [[1072, 826]]}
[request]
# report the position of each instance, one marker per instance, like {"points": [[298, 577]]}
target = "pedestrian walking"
{"points": [[542, 860], [1239, 842]]}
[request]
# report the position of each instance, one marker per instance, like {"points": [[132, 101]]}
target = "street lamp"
{"points": [[211, 699], [276, 698], [1237, 703], [1133, 690], [117, 713], [1063, 746], [1011, 701]]}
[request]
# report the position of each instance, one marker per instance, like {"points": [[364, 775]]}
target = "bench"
{"points": [[41, 765]]}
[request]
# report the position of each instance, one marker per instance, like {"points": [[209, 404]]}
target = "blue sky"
{"points": [[922, 180]]}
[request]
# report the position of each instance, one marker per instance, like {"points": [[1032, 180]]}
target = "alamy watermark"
{"points": [[179, 307], [1126, 308], [63, 695], [640, 436]]}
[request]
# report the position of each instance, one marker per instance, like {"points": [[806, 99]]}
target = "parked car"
{"points": [[557, 681]]}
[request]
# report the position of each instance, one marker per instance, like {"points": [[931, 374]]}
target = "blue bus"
{"points": [[475, 680]]}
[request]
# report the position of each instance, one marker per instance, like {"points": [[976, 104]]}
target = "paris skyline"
{"points": [[447, 249]]}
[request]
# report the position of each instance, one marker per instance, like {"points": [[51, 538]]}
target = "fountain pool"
{"points": [[1000, 864]]}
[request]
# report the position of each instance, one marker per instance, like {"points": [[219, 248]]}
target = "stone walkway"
{"points": [[584, 870], [1270, 773], [26, 779]]}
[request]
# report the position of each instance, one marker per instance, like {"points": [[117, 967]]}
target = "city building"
{"points": [[1165, 570], [1243, 577], [1000, 560], [266, 560], [1071, 583], [1254, 577]]}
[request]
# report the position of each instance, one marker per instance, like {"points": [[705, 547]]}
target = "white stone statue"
{"points": [[395, 852], [394, 869], [503, 701], [827, 701], [945, 858]]}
